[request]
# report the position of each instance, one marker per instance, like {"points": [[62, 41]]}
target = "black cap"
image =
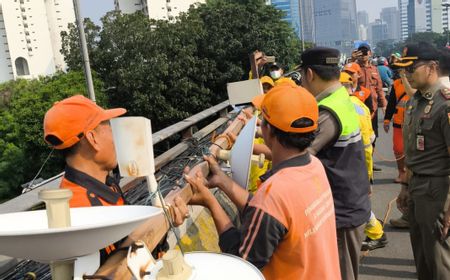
{"points": [[416, 52], [321, 56], [364, 46]]}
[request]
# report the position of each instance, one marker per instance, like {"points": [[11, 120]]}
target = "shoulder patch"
{"points": [[446, 93]]}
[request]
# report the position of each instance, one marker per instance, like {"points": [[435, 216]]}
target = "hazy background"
{"points": [[95, 9]]}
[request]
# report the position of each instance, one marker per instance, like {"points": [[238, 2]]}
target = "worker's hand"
{"points": [[402, 200], [386, 127], [260, 58], [356, 54], [201, 194], [217, 177], [384, 110], [179, 212], [402, 72], [232, 136], [446, 225], [243, 119]]}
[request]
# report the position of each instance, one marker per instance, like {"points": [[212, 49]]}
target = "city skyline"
{"points": [[96, 9]]}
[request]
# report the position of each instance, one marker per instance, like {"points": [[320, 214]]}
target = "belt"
{"points": [[397, 125], [427, 175]]}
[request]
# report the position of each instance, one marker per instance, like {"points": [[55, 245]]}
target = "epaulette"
{"points": [[446, 93]]}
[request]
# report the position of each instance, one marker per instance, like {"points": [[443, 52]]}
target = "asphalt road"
{"points": [[395, 261]]}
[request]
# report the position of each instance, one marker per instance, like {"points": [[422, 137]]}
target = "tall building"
{"points": [[391, 16], [336, 25], [30, 37], [403, 10], [363, 18], [307, 21], [445, 16], [417, 16], [156, 9], [299, 14], [425, 16], [377, 32], [362, 33], [291, 9]]}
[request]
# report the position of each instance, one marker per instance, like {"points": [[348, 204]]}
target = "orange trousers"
{"points": [[398, 141]]}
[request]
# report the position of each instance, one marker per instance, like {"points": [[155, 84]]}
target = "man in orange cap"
{"points": [[288, 227], [80, 129]]}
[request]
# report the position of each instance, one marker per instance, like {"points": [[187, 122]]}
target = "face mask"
{"points": [[275, 74]]}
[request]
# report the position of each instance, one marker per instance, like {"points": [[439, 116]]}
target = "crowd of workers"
{"points": [[307, 209]]}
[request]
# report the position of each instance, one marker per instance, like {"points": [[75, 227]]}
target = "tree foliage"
{"points": [[167, 71], [387, 47], [22, 148]]}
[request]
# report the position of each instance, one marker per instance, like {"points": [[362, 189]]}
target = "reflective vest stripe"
{"points": [[351, 140], [402, 99]]}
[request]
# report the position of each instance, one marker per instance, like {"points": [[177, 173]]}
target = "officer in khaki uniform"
{"points": [[426, 134]]}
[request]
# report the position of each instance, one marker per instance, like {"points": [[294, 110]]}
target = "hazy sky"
{"points": [[373, 7], [95, 9]]}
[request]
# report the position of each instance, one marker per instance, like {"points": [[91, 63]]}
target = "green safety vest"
{"points": [[340, 105], [344, 163]]}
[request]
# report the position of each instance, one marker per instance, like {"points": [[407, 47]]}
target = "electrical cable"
{"points": [[30, 185]]}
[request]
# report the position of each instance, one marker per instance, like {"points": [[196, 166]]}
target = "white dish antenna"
{"points": [[208, 265], [26, 235], [241, 154]]}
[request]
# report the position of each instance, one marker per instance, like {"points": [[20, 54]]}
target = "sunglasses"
{"points": [[412, 68]]}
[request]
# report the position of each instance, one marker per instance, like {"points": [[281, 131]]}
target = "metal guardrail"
{"points": [[30, 199]]}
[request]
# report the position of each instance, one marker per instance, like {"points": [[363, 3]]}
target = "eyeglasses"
{"points": [[411, 69]]}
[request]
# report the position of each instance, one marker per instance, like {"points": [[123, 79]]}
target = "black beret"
{"points": [[418, 51], [320, 56]]}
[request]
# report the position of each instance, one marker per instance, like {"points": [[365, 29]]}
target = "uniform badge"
{"points": [[420, 142], [427, 109], [428, 95]]}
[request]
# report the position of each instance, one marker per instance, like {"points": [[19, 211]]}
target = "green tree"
{"points": [[22, 148], [70, 45], [167, 71], [437, 39]]}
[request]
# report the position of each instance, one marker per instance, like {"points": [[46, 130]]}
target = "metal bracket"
{"points": [[140, 260]]}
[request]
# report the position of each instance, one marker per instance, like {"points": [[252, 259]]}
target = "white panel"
{"points": [[241, 154], [134, 146]]}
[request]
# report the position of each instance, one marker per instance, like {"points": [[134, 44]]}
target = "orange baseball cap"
{"points": [[289, 108], [67, 121], [352, 67]]}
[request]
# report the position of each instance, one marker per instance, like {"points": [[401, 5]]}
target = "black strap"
{"points": [[92, 185], [401, 96]]}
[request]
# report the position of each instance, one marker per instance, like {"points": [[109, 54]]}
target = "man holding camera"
{"points": [[369, 78]]}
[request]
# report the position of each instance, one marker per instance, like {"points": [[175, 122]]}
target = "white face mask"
{"points": [[275, 74]]}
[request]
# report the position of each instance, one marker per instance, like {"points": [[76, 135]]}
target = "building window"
{"points": [[22, 67]]}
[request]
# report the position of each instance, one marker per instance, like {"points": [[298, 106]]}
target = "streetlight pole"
{"points": [[84, 50], [447, 5]]}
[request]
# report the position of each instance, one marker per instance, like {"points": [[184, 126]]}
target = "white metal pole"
{"points": [[84, 51]]}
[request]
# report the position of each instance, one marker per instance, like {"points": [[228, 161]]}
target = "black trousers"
{"points": [[349, 248]]}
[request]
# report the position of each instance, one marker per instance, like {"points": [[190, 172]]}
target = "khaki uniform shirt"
{"points": [[427, 133]]}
